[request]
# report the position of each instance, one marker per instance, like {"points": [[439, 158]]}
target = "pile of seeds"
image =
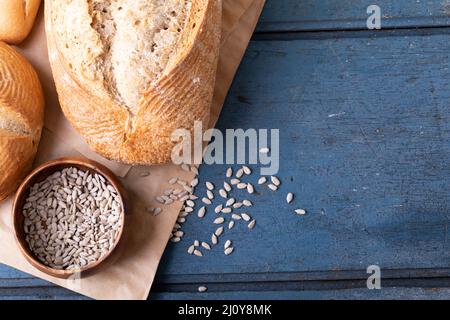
{"points": [[72, 219], [228, 213]]}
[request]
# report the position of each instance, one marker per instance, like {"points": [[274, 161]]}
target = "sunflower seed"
{"points": [[185, 167], [223, 193], [250, 188], [206, 201], [194, 183], [262, 180], [247, 203], [160, 200], [175, 240], [226, 186], [246, 217], [206, 246], [194, 170], [239, 173], [210, 194], [201, 212], [168, 192], [219, 231], [157, 211], [229, 251], [214, 239], [209, 186], [275, 181], [183, 198], [189, 209], [273, 187], [181, 220], [188, 189], [300, 212], [236, 217], [219, 220], [193, 197], [230, 225], [202, 289], [196, 243], [230, 202], [173, 180], [242, 186], [144, 174], [218, 208], [289, 197], [235, 181], [190, 203], [227, 244], [247, 170], [198, 253], [252, 224], [264, 150], [226, 210], [179, 234], [182, 182], [229, 173], [191, 249]]}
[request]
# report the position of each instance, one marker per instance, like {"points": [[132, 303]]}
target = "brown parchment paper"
{"points": [[129, 273]]}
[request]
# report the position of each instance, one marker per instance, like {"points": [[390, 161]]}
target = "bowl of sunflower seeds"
{"points": [[69, 216]]}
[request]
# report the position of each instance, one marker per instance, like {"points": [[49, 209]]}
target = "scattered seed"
{"points": [[246, 217], [219, 231], [247, 203], [252, 224], [209, 186], [289, 197], [202, 289], [262, 180], [194, 170], [237, 205], [193, 197], [273, 187], [175, 240], [235, 181], [264, 150], [173, 180], [190, 203], [226, 186], [239, 173], [227, 244], [242, 186], [210, 194], [157, 211], [196, 243], [201, 212], [230, 225], [300, 212], [206, 201], [230, 202], [206, 246], [198, 253], [250, 188], [223, 193], [236, 217], [219, 220], [189, 209], [275, 181], [226, 210], [191, 249], [218, 208], [214, 239], [229, 251], [247, 170]]}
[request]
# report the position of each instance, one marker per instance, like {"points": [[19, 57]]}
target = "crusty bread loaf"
{"points": [[21, 118], [16, 19], [130, 72]]}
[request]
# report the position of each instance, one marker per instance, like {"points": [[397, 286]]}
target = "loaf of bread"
{"points": [[21, 118], [130, 72], [16, 19]]}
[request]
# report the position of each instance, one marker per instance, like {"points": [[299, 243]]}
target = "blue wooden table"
{"points": [[365, 146]]}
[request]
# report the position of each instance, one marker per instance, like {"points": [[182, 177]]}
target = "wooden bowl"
{"points": [[40, 174]]}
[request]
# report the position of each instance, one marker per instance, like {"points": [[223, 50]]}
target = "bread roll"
{"points": [[21, 118], [16, 19], [130, 72]]}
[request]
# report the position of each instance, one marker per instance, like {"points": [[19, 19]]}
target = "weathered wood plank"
{"points": [[313, 15]]}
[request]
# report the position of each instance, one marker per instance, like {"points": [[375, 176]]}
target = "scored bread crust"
{"points": [[17, 19], [21, 118], [180, 96]]}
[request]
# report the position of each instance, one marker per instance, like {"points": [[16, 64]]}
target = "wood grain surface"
{"points": [[365, 135]]}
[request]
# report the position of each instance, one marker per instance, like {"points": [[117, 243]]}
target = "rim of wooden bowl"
{"points": [[40, 174]]}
